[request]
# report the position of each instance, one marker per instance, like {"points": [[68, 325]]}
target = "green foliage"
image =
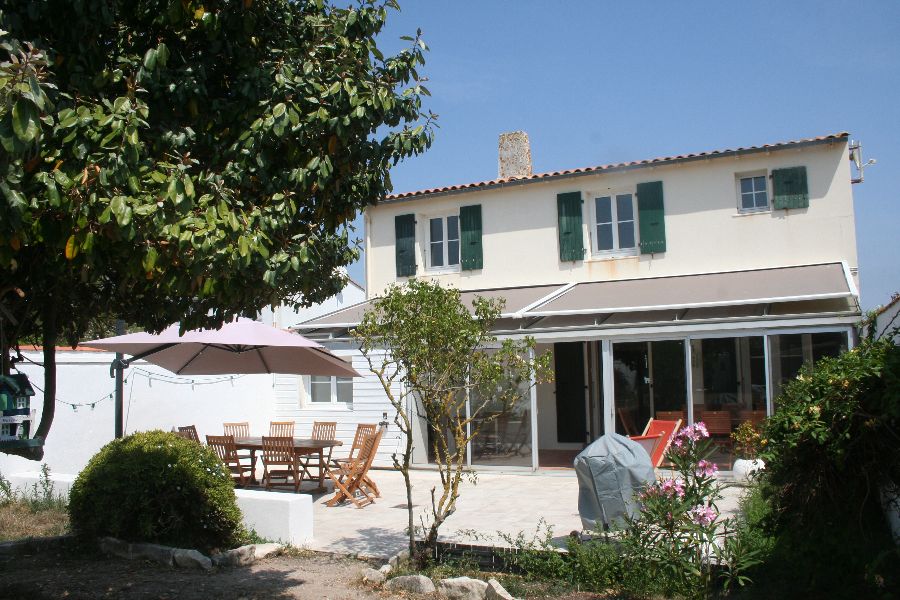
{"points": [[157, 487], [168, 160], [747, 440], [441, 355], [674, 545], [40, 496], [832, 445]]}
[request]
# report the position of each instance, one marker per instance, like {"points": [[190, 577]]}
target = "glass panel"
{"points": [[604, 209], [827, 344], [437, 230], [759, 184], [631, 373], [668, 383], [761, 200], [791, 352], [345, 389], [320, 389], [626, 234], [747, 201], [453, 228], [437, 254], [605, 237], [453, 252], [746, 185], [504, 438], [729, 382], [624, 207]]}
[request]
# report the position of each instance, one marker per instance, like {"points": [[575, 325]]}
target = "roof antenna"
{"points": [[856, 157]]}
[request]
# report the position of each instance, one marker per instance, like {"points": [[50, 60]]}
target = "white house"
{"points": [[685, 286]]}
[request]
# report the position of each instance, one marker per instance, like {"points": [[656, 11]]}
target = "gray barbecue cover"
{"points": [[610, 472]]}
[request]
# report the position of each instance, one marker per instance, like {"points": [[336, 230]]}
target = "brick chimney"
{"points": [[514, 152]]}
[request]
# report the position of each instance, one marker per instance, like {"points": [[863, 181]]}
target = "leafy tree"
{"points": [[190, 160], [433, 355]]}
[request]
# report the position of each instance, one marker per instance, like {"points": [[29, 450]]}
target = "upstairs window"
{"points": [[614, 224], [753, 194], [443, 242]]}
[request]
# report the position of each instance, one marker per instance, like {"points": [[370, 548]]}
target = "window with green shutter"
{"points": [[790, 187], [470, 225], [651, 217], [571, 238], [405, 244]]}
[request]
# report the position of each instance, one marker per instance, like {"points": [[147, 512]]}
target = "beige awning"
{"points": [[760, 286]]}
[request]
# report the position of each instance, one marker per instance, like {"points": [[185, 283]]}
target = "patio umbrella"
{"points": [[243, 346]]}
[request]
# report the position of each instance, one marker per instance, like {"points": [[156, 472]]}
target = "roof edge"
{"points": [[842, 136]]}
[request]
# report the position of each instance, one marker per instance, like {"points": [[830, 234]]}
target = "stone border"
{"points": [[35, 544], [188, 558]]}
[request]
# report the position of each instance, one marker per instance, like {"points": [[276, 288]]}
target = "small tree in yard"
{"points": [[187, 160], [433, 356]]}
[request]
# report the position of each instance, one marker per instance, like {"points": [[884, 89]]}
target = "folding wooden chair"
{"points": [[241, 430], [350, 477], [189, 432], [280, 462], [321, 431], [362, 430], [657, 437], [281, 429], [756, 417], [672, 415], [223, 446]]}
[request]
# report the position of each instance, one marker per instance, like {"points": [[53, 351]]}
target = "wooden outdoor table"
{"points": [[301, 446]]}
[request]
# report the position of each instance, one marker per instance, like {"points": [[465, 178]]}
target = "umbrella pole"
{"points": [[119, 375]]}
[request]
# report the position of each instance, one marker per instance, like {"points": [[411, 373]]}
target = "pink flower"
{"points": [[672, 487], [703, 515], [700, 428], [706, 468]]}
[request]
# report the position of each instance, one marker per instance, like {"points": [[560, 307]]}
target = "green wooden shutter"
{"points": [[652, 217], [571, 238], [405, 230], [791, 189], [471, 254]]}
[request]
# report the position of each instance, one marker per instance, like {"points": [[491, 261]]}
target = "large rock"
{"points": [[262, 551], [191, 559], [373, 577], [238, 557], [495, 591], [462, 588], [417, 584], [163, 555], [385, 569], [399, 559]]}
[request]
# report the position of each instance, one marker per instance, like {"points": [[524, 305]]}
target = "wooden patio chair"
{"points": [[718, 424], [657, 438], [362, 430], [672, 415], [756, 417], [321, 431], [188, 432], [280, 462], [223, 446], [241, 430], [350, 477], [281, 429]]}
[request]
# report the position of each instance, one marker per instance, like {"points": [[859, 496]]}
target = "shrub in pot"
{"points": [[157, 487], [747, 443]]}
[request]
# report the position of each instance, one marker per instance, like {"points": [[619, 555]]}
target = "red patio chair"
{"points": [[657, 437]]}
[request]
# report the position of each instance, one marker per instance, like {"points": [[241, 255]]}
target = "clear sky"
{"points": [[600, 82]]}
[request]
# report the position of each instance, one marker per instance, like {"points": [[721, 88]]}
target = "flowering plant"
{"points": [[747, 440], [679, 533]]}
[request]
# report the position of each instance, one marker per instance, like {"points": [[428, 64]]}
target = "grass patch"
{"points": [[37, 512]]}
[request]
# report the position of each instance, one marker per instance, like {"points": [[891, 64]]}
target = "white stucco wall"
{"points": [[83, 377], [704, 230]]}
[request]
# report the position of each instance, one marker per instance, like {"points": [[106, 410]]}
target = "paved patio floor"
{"points": [[498, 502]]}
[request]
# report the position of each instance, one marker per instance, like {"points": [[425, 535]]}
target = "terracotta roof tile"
{"points": [[596, 169]]}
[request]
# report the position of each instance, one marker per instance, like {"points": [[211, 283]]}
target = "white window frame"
{"points": [[445, 243], [738, 177], [21, 402], [592, 209], [333, 403]]}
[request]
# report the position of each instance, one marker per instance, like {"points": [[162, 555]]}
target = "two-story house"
{"points": [[684, 287]]}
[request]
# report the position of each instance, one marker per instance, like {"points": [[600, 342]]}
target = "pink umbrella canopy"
{"points": [[243, 346]]}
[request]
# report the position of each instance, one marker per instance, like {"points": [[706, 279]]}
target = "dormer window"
{"points": [[443, 242]]}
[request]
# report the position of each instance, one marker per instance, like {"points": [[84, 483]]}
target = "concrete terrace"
{"points": [[499, 502]]}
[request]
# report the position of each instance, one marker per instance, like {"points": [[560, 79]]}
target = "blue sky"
{"points": [[598, 82]]}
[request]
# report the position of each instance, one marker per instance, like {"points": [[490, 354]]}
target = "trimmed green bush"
{"points": [[157, 487]]}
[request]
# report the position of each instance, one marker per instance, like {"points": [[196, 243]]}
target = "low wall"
{"points": [[277, 516]]}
